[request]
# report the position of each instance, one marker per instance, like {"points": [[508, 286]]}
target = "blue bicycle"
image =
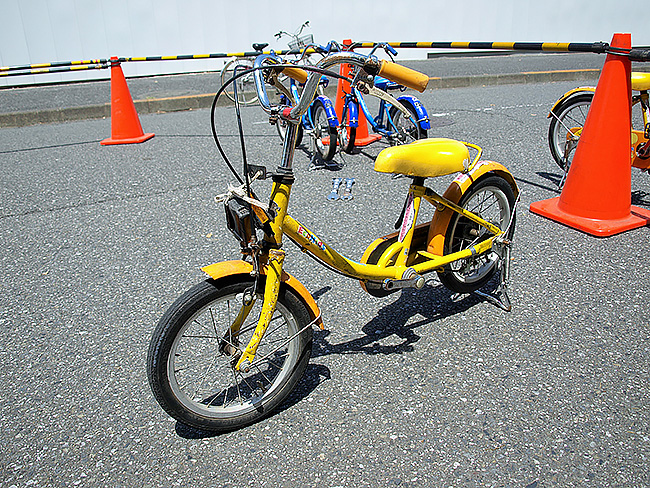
{"points": [[319, 122], [400, 120]]}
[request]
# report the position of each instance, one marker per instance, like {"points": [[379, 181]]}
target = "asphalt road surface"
{"points": [[417, 389]]}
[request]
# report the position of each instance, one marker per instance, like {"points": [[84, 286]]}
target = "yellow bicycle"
{"points": [[230, 349], [569, 114]]}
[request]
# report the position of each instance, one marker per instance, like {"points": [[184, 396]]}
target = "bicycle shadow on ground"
{"points": [[553, 178], [432, 303], [640, 198], [316, 161]]}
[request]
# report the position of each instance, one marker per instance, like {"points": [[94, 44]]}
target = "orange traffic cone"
{"points": [[596, 197], [125, 124], [363, 138]]}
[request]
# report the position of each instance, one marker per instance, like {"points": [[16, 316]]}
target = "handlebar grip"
{"points": [[403, 75], [300, 75]]}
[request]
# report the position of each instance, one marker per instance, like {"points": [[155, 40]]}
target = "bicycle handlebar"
{"points": [[394, 72]]}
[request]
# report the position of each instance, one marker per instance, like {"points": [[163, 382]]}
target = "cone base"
{"points": [[638, 217], [364, 141], [128, 140]]}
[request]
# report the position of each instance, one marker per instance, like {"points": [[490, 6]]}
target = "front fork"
{"points": [[280, 200], [271, 293]]}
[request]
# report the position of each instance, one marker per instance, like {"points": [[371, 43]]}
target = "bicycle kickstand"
{"points": [[500, 296], [502, 246]]}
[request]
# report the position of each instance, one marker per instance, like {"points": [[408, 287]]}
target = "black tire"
{"points": [[281, 126], [325, 136], [492, 198], [190, 367], [407, 131], [569, 114], [347, 135]]}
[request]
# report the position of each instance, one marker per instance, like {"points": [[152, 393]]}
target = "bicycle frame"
{"points": [[400, 266], [400, 253], [395, 270]]}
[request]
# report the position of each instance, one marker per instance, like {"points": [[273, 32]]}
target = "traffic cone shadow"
{"points": [[125, 124], [596, 197]]}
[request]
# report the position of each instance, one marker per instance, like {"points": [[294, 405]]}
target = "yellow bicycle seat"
{"points": [[640, 81], [426, 158]]}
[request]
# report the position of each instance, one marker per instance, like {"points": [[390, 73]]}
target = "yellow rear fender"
{"points": [[454, 192], [580, 89], [226, 271]]}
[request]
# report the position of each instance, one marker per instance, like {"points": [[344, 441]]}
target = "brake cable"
{"points": [[235, 77]]}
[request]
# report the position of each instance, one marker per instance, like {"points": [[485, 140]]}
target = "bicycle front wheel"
{"points": [[347, 138], [406, 130], [567, 121], [493, 200], [246, 92], [190, 365], [325, 136]]}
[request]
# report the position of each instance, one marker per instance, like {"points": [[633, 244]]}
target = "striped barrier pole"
{"points": [[634, 53], [239, 54], [8, 72]]}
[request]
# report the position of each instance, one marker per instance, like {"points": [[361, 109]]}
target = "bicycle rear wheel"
{"points": [[347, 136], [325, 136], [406, 130], [492, 199]]}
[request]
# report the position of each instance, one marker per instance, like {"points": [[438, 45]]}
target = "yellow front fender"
{"points": [[226, 270]]}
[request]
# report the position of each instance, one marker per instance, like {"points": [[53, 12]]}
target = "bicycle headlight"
{"points": [[239, 219]]}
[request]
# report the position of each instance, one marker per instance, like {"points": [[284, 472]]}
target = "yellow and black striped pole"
{"points": [[239, 54], [634, 53], [596, 47], [55, 67]]}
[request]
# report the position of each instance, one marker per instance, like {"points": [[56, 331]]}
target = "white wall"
{"points": [[41, 31]]}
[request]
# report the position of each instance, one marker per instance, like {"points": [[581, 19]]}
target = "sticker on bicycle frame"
{"points": [[310, 237], [409, 217]]}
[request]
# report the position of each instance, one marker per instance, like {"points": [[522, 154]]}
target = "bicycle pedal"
{"points": [[347, 192], [334, 194]]}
